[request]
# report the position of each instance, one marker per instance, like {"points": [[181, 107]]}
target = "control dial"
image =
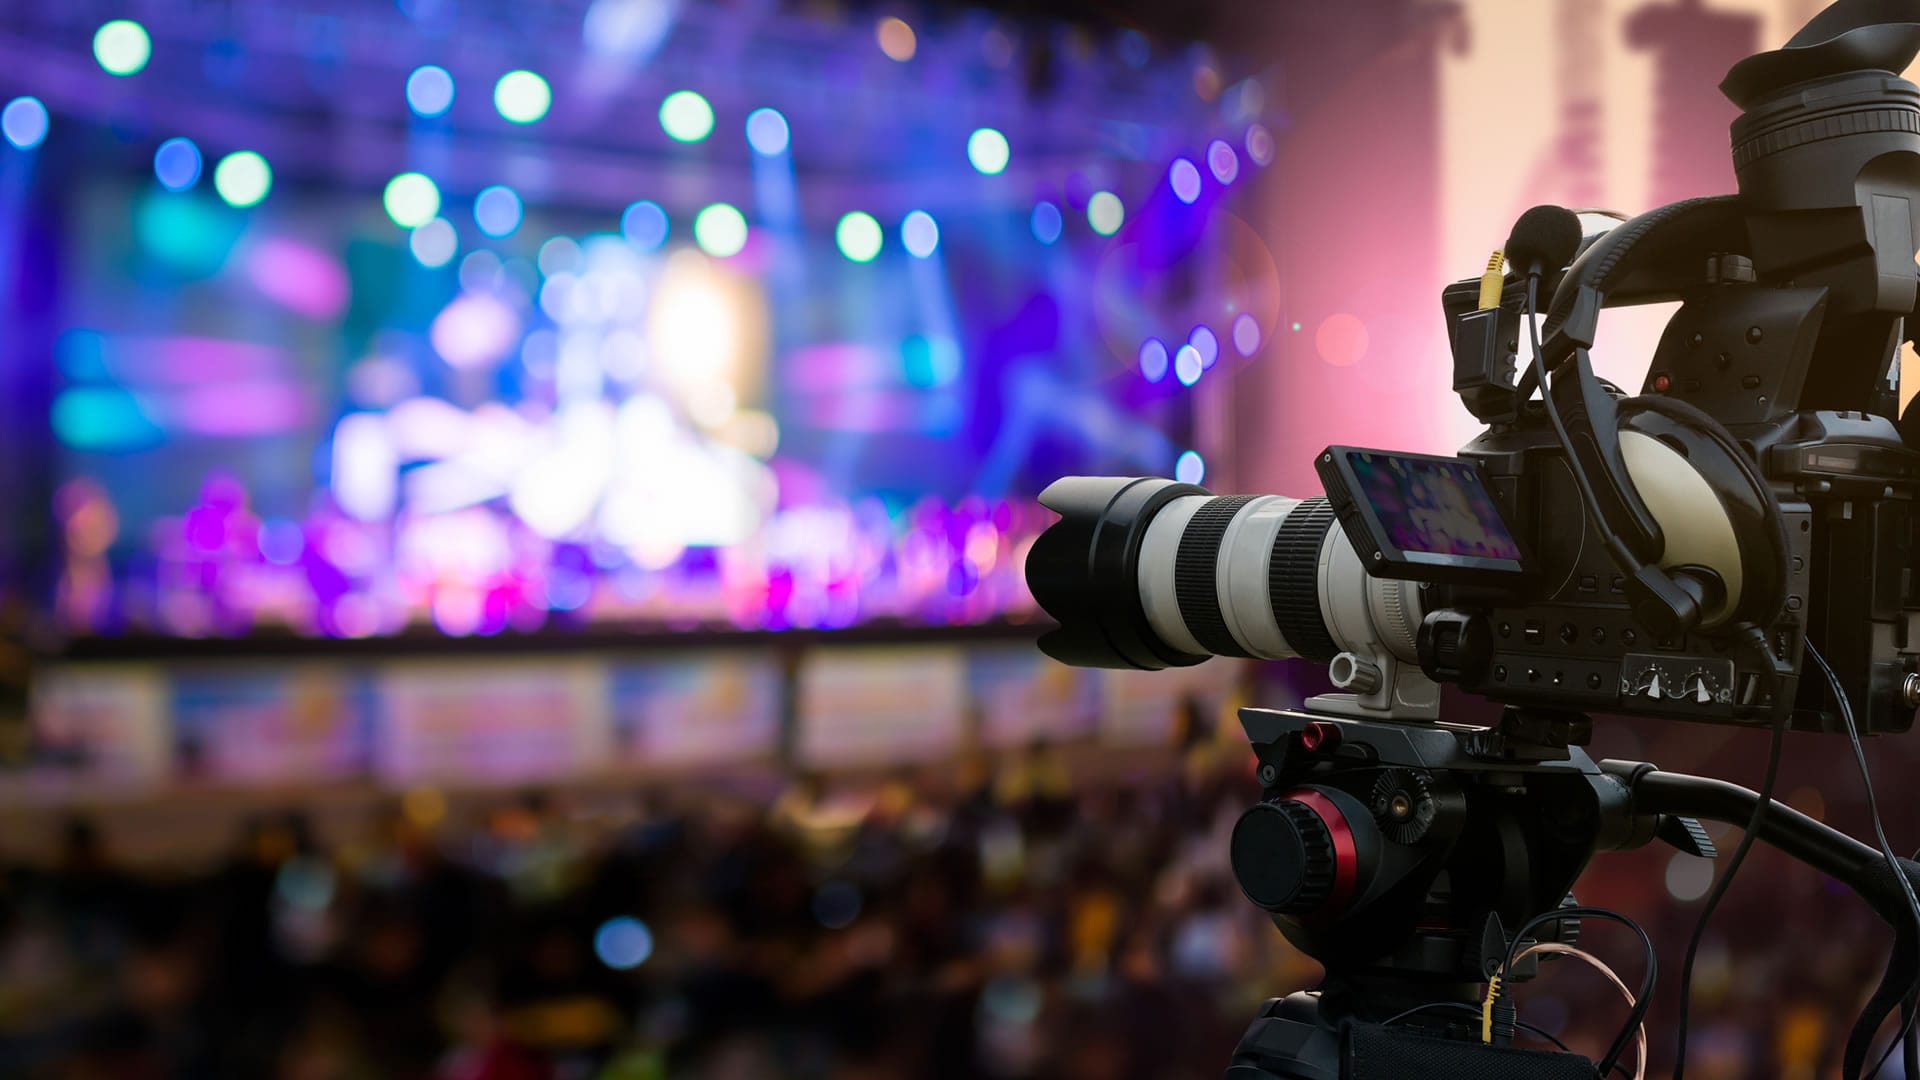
{"points": [[1283, 856]]}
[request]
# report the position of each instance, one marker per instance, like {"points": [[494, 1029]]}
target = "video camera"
{"points": [[1664, 554], [1687, 552]]}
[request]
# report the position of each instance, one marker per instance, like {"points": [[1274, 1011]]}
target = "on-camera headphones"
{"points": [[1683, 510]]}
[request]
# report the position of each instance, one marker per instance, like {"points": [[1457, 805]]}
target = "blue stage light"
{"points": [[281, 541], [1246, 334], [1190, 469], [176, 163], [102, 418], [930, 362], [434, 243], [1153, 360], [1223, 161], [859, 236], [1204, 341], [920, 233], [623, 943], [243, 178], [686, 117], [522, 97], [767, 132], [122, 47], [429, 90], [628, 32], [559, 255], [720, 230], [1046, 223], [1105, 213], [1185, 178], [1260, 144], [411, 199], [644, 225], [1187, 366], [497, 211], [24, 122], [988, 151]]}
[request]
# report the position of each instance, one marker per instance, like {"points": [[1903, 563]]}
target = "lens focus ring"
{"points": [[1293, 580], [1196, 579]]}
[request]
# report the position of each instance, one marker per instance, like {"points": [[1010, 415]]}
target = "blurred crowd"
{"points": [[1007, 921], [1009, 924]]}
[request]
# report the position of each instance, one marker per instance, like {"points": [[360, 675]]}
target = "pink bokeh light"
{"points": [[233, 410], [475, 330], [299, 278]]}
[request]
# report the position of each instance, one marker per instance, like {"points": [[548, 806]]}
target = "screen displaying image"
{"points": [[1433, 507]]}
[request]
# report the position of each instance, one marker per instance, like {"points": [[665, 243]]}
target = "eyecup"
{"points": [[1849, 36]]}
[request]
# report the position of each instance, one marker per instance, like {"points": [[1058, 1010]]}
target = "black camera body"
{"points": [[1684, 552], [1796, 296], [1568, 638], [1667, 553]]}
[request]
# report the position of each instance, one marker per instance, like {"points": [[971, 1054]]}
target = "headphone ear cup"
{"points": [[1683, 449]]}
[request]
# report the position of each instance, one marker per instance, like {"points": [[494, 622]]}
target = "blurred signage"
{"points": [[1157, 708], [697, 709], [874, 706], [284, 723], [1022, 695], [101, 725], [495, 721]]}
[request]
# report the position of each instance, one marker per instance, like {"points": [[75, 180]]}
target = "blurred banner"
{"points": [[292, 723], [106, 725], [880, 706], [112, 731], [1023, 696], [504, 722], [697, 709]]}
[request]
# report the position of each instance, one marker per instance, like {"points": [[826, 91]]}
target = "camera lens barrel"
{"points": [[1148, 573]]}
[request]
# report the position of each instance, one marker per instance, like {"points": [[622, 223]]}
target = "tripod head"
{"points": [[1406, 857], [1403, 857], [1412, 850]]}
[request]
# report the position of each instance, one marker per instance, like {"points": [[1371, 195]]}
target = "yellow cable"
{"points": [[1493, 281], [1486, 1010]]}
